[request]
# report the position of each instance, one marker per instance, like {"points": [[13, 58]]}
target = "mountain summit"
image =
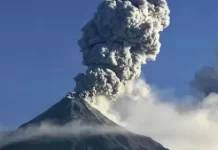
{"points": [[69, 110]]}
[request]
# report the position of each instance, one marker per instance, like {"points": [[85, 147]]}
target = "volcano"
{"points": [[70, 109], [121, 37]]}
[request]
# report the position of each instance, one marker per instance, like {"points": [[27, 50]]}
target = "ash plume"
{"points": [[122, 35]]}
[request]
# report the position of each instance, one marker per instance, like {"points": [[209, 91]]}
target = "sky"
{"points": [[39, 55]]}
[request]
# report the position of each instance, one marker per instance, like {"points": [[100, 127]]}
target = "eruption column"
{"points": [[122, 36]]}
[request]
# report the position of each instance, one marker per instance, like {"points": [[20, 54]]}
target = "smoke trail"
{"points": [[122, 36]]}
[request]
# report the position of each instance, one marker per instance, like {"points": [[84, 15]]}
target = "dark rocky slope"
{"points": [[68, 110]]}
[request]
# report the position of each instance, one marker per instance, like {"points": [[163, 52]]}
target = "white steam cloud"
{"points": [[178, 126], [53, 131]]}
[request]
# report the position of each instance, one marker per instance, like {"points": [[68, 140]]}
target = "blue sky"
{"points": [[39, 55]]}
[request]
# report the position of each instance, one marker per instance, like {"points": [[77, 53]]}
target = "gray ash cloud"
{"points": [[117, 41], [206, 81]]}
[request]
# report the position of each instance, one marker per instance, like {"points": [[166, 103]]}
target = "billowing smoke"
{"points": [[122, 36]]}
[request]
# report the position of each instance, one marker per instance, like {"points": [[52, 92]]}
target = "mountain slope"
{"points": [[68, 110]]}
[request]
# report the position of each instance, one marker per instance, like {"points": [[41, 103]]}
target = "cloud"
{"points": [[48, 129], [182, 125], [206, 80]]}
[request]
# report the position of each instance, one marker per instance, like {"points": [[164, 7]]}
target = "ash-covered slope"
{"points": [[68, 110]]}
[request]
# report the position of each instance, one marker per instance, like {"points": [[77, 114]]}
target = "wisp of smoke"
{"points": [[178, 127], [122, 36], [53, 131]]}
